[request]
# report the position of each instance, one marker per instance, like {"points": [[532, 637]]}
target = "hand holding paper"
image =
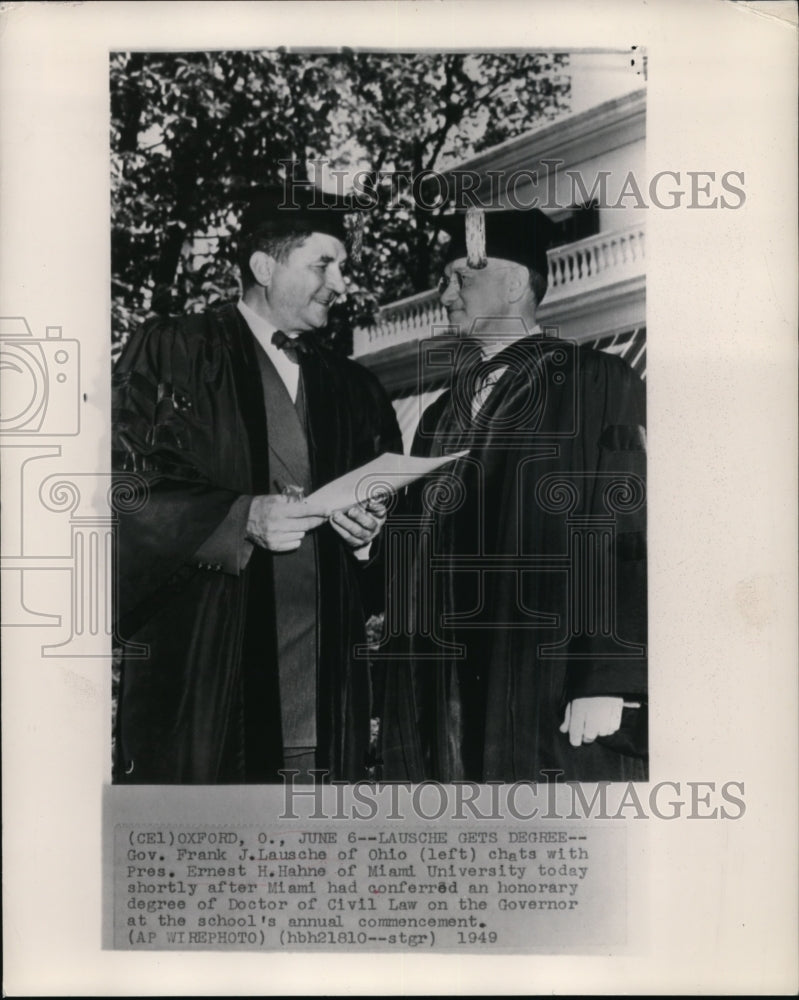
{"points": [[383, 475], [351, 503], [279, 524], [359, 525]]}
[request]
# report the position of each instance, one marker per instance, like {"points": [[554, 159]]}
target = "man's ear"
{"points": [[517, 283], [262, 267]]}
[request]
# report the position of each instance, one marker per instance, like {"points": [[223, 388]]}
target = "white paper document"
{"points": [[382, 476]]}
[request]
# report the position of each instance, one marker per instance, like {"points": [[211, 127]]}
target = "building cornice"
{"points": [[571, 140]]}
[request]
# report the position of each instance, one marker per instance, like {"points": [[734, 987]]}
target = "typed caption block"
{"points": [[331, 886]]}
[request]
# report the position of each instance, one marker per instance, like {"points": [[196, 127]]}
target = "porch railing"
{"points": [[584, 266]]}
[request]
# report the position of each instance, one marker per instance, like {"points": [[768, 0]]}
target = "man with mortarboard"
{"points": [[245, 598], [530, 566]]}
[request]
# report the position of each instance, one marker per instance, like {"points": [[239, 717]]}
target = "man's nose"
{"points": [[450, 293], [335, 280]]}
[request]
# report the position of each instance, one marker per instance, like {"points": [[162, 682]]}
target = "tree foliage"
{"points": [[192, 133]]}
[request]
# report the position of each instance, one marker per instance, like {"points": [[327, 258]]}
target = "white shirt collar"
{"points": [[262, 330], [493, 345]]}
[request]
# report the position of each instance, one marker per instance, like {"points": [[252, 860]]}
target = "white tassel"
{"points": [[475, 238]]}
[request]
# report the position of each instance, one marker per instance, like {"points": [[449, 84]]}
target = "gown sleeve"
{"points": [[614, 420], [163, 408]]}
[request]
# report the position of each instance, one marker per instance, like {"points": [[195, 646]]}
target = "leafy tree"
{"points": [[193, 133]]}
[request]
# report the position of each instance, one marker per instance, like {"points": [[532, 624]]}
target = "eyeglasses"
{"points": [[446, 279]]}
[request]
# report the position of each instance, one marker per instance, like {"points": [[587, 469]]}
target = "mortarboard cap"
{"points": [[518, 235], [278, 210]]}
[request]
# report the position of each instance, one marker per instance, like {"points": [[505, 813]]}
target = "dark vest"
{"points": [[294, 573]]}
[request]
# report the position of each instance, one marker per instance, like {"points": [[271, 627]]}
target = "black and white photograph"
{"points": [[399, 459], [506, 595]]}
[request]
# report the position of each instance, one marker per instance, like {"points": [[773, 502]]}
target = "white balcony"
{"points": [[596, 285], [596, 261], [401, 322]]}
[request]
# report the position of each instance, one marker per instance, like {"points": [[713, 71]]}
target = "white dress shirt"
{"points": [[490, 349], [262, 329]]}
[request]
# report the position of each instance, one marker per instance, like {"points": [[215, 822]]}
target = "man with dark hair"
{"points": [[244, 597], [530, 567]]}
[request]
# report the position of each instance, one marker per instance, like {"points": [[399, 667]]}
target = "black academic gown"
{"points": [[537, 580], [202, 704]]}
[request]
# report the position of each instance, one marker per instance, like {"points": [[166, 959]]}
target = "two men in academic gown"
{"points": [[240, 605], [530, 559]]}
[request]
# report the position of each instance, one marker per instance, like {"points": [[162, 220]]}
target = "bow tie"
{"points": [[292, 347]]}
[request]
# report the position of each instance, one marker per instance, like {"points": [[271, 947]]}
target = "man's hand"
{"points": [[359, 525], [587, 718], [279, 523]]}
